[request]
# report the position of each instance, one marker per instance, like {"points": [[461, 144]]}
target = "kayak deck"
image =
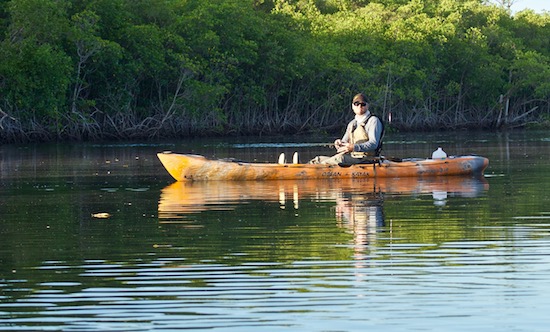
{"points": [[187, 167]]}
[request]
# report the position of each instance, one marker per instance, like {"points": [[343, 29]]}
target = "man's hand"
{"points": [[345, 148]]}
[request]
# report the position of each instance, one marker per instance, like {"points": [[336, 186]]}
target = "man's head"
{"points": [[359, 104]]}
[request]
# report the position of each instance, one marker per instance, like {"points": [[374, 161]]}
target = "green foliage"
{"points": [[172, 67], [34, 70], [532, 74], [43, 21], [35, 80]]}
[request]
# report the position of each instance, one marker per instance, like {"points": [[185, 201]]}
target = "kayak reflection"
{"points": [[350, 196]]}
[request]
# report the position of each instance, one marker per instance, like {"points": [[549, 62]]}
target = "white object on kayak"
{"points": [[295, 158], [282, 158], [439, 154]]}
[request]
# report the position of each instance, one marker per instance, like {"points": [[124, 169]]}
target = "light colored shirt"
{"points": [[373, 127]]}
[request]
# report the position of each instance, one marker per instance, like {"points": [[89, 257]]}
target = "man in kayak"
{"points": [[362, 140]]}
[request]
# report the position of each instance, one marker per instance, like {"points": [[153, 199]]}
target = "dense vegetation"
{"points": [[96, 69]]}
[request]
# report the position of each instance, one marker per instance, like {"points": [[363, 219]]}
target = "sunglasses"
{"points": [[358, 103]]}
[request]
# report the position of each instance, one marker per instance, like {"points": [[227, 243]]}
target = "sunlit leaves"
{"points": [[247, 65], [532, 73]]}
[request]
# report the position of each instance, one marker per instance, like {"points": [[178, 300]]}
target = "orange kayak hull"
{"points": [[187, 167]]}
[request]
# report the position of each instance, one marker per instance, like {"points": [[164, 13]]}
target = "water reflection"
{"points": [[354, 199], [358, 205]]}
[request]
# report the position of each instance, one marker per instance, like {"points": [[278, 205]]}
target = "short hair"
{"points": [[360, 97]]}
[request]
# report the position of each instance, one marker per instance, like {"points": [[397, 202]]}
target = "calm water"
{"points": [[448, 254]]}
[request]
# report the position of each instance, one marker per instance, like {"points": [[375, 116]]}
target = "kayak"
{"points": [[184, 197], [188, 167]]}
